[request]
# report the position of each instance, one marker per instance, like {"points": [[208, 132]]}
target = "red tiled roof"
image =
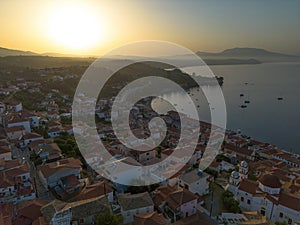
{"points": [[14, 129], [32, 209], [6, 213], [180, 197], [152, 218], [31, 136], [270, 180], [53, 167], [94, 190], [289, 200], [248, 186]]}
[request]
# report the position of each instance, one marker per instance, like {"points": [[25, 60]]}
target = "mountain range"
{"points": [[233, 56]]}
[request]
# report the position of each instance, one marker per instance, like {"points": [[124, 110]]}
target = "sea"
{"points": [[273, 91]]}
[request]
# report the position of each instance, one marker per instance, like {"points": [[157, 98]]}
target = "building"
{"points": [[152, 218], [30, 137], [15, 133], [268, 196], [15, 107], [6, 213], [97, 189], [180, 204], [79, 212], [5, 153], [20, 122], [51, 173], [134, 204], [254, 218], [29, 212], [195, 181], [15, 184]]}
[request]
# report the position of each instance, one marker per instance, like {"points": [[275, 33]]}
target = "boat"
{"points": [[279, 98], [247, 101], [241, 95], [243, 106]]}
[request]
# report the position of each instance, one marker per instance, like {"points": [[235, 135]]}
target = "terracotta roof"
{"points": [[161, 193], [21, 221], [152, 218], [31, 136], [270, 180], [94, 190], [180, 197], [39, 221], [194, 220], [6, 213], [289, 200], [248, 186], [32, 209], [14, 129], [63, 164], [4, 149], [80, 209], [135, 201]]}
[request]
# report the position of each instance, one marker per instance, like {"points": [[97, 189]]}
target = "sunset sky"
{"points": [[92, 27]]}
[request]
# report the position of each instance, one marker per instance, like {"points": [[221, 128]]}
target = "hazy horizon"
{"points": [[94, 27]]}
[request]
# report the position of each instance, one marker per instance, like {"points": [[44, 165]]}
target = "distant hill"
{"points": [[13, 52], [250, 53]]}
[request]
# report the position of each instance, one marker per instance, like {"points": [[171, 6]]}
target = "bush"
{"points": [[109, 219], [229, 202]]}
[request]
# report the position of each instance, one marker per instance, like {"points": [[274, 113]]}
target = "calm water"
{"points": [[265, 118]]}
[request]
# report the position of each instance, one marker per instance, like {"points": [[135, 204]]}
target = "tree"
{"points": [[230, 203], [109, 219], [281, 223]]}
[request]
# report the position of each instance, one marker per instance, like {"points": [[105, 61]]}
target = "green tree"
{"points": [[109, 219], [281, 223], [230, 203]]}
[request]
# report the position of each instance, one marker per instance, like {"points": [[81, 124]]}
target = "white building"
{"points": [[135, 204], [16, 107], [267, 197], [195, 181], [20, 122]]}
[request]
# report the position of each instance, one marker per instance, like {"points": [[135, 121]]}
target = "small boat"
{"points": [[241, 95], [243, 106], [246, 83], [279, 98], [247, 101], [198, 106]]}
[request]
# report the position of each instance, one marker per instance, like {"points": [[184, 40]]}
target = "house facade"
{"points": [[134, 204]]}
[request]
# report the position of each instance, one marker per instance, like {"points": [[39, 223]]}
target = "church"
{"points": [[266, 195]]}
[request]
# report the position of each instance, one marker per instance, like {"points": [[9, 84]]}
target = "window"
{"points": [[248, 202], [280, 214], [242, 199], [263, 211]]}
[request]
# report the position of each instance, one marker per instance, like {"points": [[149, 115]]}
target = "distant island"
{"points": [[234, 56]]}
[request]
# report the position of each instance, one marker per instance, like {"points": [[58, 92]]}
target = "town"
{"points": [[44, 179]]}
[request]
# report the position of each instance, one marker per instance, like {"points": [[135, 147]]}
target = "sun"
{"points": [[75, 26]]}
